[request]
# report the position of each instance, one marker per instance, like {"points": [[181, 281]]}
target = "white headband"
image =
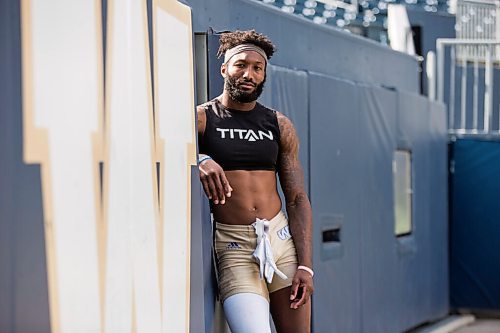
{"points": [[242, 48]]}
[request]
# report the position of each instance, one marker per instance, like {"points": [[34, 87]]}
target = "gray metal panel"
{"points": [[430, 221], [305, 45], [335, 189], [202, 284], [413, 125], [438, 219], [404, 280], [380, 261], [286, 91], [24, 305], [215, 79]]}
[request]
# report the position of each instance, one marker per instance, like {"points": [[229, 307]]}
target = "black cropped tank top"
{"points": [[241, 140]]}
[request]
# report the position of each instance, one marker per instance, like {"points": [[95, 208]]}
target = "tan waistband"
{"points": [[274, 222]]}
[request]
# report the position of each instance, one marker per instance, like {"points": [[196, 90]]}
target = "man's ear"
{"points": [[223, 70]]}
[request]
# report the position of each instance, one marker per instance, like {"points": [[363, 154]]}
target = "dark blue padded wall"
{"points": [[377, 127], [373, 281], [438, 206], [203, 286], [426, 266], [406, 275], [475, 224], [286, 91], [414, 250], [215, 82], [335, 195]]}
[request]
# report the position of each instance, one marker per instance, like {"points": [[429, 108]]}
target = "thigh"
{"points": [[289, 320], [247, 313], [237, 270]]}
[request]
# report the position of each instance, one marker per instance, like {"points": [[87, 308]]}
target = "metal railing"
{"points": [[478, 19], [465, 115]]}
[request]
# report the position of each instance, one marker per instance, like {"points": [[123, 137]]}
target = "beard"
{"points": [[238, 95]]}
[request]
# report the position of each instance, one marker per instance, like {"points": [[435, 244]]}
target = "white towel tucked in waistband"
{"points": [[264, 253]]}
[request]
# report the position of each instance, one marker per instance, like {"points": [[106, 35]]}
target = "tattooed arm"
{"points": [[297, 207], [212, 176]]}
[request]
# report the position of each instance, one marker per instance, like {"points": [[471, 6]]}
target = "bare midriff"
{"points": [[254, 196]]}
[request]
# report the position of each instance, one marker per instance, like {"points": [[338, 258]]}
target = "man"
{"points": [[263, 265]]}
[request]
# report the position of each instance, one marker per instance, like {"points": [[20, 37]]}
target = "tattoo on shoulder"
{"points": [[290, 171], [288, 137], [201, 118]]}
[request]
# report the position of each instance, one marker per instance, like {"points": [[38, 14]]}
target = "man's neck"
{"points": [[229, 103]]}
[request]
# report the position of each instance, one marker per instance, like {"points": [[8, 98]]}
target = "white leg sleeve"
{"points": [[247, 313]]}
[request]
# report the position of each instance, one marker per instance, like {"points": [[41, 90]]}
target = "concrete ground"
{"points": [[481, 326], [465, 323]]}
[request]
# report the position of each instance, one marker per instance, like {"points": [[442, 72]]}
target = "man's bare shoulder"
{"points": [[202, 116], [282, 119], [287, 130], [204, 107], [200, 110]]}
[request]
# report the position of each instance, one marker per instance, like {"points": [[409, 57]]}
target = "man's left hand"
{"points": [[302, 289]]}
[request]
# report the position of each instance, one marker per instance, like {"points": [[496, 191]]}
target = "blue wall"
{"points": [[24, 304], [474, 224], [372, 281]]}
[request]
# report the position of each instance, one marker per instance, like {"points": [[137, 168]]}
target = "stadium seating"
{"points": [[363, 17]]}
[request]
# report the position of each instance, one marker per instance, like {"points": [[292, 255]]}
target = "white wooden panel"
{"points": [[63, 73], [175, 112], [132, 276]]}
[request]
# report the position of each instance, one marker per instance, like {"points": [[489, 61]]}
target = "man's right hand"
{"points": [[214, 181]]}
